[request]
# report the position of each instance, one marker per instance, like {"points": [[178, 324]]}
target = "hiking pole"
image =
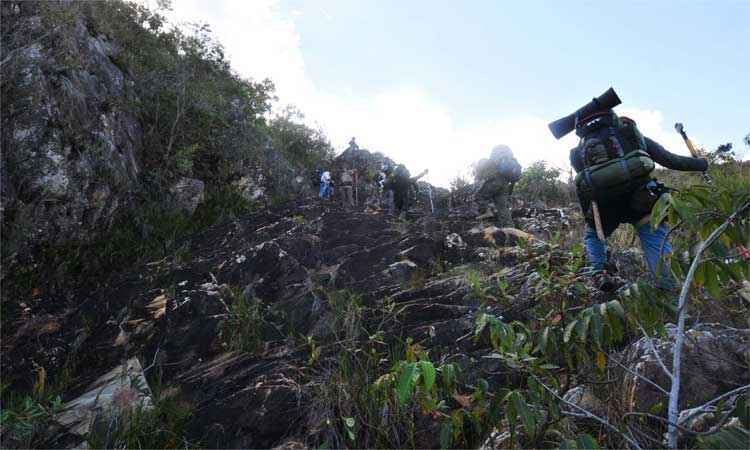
{"points": [[598, 221], [693, 151]]}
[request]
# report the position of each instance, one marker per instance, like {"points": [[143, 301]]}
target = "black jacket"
{"points": [[661, 156]]}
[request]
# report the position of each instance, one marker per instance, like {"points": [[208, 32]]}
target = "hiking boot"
{"points": [[603, 280]]}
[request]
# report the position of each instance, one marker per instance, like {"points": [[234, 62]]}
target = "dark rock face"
{"points": [[176, 315], [70, 145]]}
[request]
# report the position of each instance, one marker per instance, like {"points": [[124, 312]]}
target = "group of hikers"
{"points": [[394, 185], [614, 184]]}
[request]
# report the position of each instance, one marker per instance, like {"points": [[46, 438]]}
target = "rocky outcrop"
{"points": [[70, 160]]}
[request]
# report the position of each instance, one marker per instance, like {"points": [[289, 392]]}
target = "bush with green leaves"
{"points": [[25, 420], [541, 183]]}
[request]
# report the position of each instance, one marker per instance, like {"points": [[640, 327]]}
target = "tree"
{"points": [[541, 183]]}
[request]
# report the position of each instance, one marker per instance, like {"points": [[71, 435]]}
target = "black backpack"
{"points": [[611, 158]]}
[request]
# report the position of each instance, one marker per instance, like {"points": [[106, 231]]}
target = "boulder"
{"points": [[119, 390], [403, 271], [188, 193], [715, 360]]}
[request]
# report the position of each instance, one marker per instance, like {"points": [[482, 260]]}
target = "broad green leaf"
{"points": [[428, 374], [617, 308], [569, 331], [527, 415], [597, 326], [660, 210], [448, 376], [680, 207], [583, 326], [406, 382]]}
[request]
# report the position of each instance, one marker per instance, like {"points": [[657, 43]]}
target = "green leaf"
{"points": [[543, 340], [569, 331], [660, 210], [481, 324], [597, 326], [428, 374], [406, 382], [527, 416], [680, 207], [587, 442], [583, 326], [446, 434], [617, 308], [448, 376]]}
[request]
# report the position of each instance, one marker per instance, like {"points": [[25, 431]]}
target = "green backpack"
{"points": [[611, 158]]}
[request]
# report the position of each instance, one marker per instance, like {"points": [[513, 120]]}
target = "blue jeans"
{"points": [[653, 242], [325, 190]]}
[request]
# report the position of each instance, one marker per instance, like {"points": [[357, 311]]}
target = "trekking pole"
{"points": [[598, 221], [693, 151]]}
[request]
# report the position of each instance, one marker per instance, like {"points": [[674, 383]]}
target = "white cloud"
{"points": [[407, 123]]}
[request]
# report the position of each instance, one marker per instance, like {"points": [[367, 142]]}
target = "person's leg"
{"points": [[322, 192], [502, 210], [656, 250], [596, 250]]}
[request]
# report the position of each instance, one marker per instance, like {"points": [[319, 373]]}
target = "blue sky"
{"points": [[437, 84]]}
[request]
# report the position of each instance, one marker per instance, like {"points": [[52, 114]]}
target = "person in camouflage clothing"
{"points": [[496, 177]]}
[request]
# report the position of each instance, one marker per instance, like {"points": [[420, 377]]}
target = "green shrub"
{"points": [[540, 183]]}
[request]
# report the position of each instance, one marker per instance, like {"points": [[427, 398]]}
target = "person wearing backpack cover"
{"points": [[498, 176], [614, 162]]}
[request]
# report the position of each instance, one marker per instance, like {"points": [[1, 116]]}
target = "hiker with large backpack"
{"points": [[614, 164], [498, 175], [400, 181]]}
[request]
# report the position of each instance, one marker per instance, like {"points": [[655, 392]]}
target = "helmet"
{"points": [[501, 152]]}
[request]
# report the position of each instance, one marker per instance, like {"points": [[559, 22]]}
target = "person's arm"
{"points": [[675, 162]]}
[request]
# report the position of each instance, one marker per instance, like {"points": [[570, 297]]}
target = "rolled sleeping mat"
{"points": [[565, 125]]}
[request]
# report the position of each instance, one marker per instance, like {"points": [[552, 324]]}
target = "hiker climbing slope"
{"points": [[347, 187], [614, 163], [401, 182], [326, 185], [497, 176]]}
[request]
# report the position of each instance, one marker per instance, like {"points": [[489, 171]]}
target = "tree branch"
{"points": [[587, 414], [674, 394]]}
